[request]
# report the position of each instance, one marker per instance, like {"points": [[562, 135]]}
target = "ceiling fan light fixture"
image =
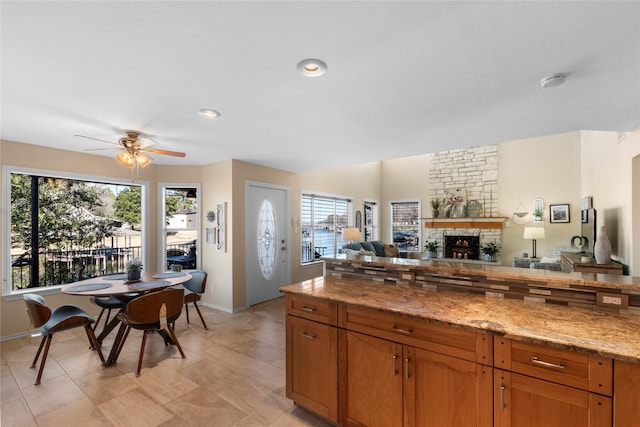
{"points": [[209, 113], [142, 159], [312, 67], [126, 159]]}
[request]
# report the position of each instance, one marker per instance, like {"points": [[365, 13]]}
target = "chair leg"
{"points": [[94, 341], [44, 358], [175, 340], [200, 314], [144, 340], [121, 337], [186, 309], [35, 360], [95, 325]]}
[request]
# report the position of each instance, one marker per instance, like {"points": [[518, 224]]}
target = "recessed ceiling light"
{"points": [[553, 80], [209, 113], [312, 67]]}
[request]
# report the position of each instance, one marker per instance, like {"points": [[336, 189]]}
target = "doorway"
{"points": [[267, 241]]}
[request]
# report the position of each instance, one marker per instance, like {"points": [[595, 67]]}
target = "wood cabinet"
{"points": [[626, 394], [539, 385], [312, 356], [399, 371], [573, 262], [361, 367]]}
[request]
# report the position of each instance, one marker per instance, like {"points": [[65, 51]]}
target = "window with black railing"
{"points": [[323, 218], [65, 229]]}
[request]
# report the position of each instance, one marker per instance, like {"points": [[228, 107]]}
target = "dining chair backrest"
{"points": [[144, 311], [197, 282], [38, 312]]}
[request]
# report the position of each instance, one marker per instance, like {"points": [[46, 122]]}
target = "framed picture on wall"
{"points": [[559, 213]]}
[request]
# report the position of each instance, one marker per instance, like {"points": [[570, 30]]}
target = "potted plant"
{"points": [[537, 215], [435, 207], [490, 251], [134, 267], [431, 248]]}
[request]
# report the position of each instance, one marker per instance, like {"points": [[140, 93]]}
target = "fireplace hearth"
{"points": [[462, 247]]}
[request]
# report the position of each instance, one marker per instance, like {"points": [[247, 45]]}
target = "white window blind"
{"points": [[323, 218], [370, 221]]}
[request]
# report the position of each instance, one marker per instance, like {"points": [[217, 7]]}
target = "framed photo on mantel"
{"points": [[559, 213]]}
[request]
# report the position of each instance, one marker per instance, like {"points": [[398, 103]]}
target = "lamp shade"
{"points": [[350, 234], [534, 233], [126, 159], [142, 159]]}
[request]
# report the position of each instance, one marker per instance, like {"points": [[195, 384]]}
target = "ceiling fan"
{"points": [[134, 148]]}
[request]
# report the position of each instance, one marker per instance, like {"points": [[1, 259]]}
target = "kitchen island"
{"points": [[419, 343]]}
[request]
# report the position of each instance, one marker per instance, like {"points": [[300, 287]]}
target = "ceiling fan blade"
{"points": [[101, 149], [164, 152], [96, 139]]}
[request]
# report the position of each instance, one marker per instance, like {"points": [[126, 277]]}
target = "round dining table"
{"points": [[118, 286]]}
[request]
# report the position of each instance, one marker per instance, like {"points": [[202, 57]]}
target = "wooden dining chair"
{"points": [[195, 287], [151, 312], [50, 322]]}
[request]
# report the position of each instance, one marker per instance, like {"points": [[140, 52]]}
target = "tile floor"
{"points": [[234, 375]]}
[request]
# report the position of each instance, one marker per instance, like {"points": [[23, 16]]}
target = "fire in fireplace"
{"points": [[462, 247]]}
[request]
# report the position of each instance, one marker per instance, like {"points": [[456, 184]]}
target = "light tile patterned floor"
{"points": [[234, 375]]}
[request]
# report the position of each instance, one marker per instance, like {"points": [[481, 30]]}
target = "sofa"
{"points": [[552, 262], [373, 248]]}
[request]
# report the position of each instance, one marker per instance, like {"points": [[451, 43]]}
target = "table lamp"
{"points": [[534, 233], [350, 235]]}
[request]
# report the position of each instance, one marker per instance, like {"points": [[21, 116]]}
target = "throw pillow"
{"points": [[391, 250], [363, 251]]}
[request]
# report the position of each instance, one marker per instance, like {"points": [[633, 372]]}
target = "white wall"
{"points": [[607, 160]]}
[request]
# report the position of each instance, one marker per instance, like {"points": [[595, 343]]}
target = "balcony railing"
{"points": [[59, 267]]}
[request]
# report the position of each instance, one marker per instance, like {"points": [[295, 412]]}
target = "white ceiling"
{"points": [[403, 78]]}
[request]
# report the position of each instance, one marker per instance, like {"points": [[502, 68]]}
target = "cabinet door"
{"points": [[626, 394], [373, 383], [444, 391], [312, 366], [522, 401]]}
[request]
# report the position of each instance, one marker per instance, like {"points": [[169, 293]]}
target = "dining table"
{"points": [[118, 286]]}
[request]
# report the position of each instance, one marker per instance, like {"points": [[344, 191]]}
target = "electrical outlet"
{"points": [[605, 299]]}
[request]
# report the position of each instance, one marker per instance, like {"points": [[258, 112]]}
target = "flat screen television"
{"points": [[588, 229]]}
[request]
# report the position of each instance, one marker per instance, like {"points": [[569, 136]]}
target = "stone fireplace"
{"points": [[462, 247], [474, 172]]}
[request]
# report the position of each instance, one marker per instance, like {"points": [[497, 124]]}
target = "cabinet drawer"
{"points": [[457, 342], [568, 367], [312, 309]]}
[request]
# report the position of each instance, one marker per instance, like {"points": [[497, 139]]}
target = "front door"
{"points": [[267, 241]]}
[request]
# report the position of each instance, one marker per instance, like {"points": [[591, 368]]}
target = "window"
{"points": [[405, 225], [370, 221], [181, 224], [323, 218], [66, 228]]}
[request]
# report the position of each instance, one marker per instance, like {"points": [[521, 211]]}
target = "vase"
{"points": [[133, 275], [491, 257], [435, 213], [602, 248]]}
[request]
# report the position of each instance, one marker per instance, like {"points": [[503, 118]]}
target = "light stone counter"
{"points": [[607, 334]]}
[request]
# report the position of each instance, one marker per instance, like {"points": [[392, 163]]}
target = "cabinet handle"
{"points": [[406, 368], [309, 309], [502, 397], [536, 361], [402, 331], [306, 335], [394, 366]]}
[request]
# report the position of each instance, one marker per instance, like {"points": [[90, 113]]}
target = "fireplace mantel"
{"points": [[470, 222]]}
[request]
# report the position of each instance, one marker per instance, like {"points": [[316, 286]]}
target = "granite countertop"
{"points": [[491, 270], [603, 333]]}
